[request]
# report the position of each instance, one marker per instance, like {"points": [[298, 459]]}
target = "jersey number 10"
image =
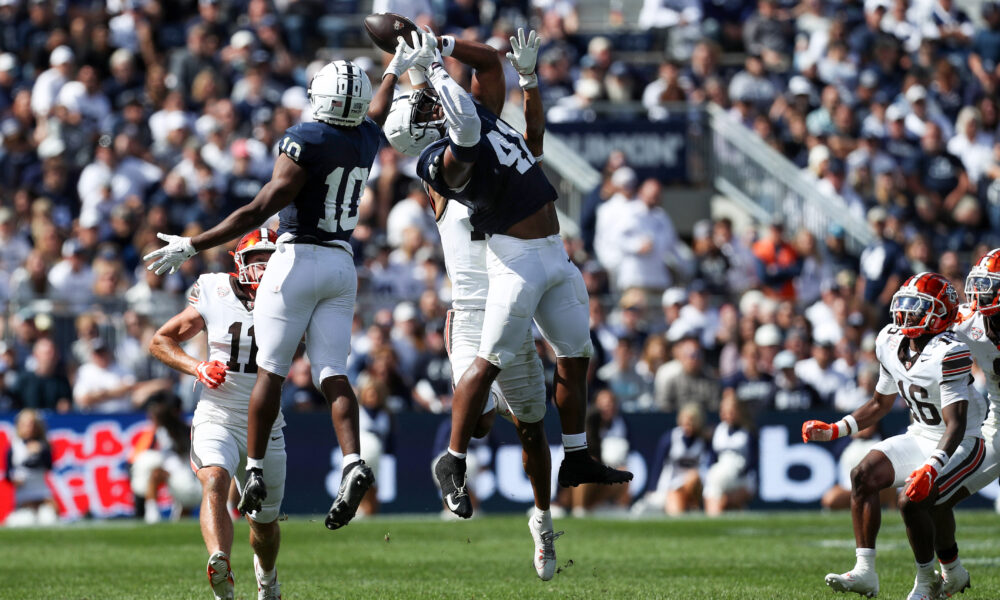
{"points": [[343, 195], [235, 331]]}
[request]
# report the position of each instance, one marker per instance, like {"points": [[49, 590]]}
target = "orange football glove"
{"points": [[211, 373], [818, 431], [920, 482]]}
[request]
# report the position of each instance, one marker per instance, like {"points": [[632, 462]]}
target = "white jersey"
{"points": [[971, 329], [231, 341], [937, 377], [464, 258]]}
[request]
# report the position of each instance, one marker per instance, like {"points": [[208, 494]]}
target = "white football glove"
{"points": [[406, 54], [429, 53], [170, 257], [524, 55]]}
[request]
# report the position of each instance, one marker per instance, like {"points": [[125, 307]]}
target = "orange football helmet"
{"points": [[926, 304], [258, 240], [982, 286]]}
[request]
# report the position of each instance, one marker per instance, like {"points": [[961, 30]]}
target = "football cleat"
{"points": [[573, 472], [450, 475], [925, 590], [254, 492], [954, 581], [353, 487], [545, 549], [266, 591], [864, 583], [220, 576]]}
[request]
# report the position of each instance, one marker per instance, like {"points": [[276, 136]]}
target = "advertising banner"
{"points": [[90, 476]]}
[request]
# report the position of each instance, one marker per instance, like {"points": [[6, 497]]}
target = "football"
{"points": [[384, 28]]}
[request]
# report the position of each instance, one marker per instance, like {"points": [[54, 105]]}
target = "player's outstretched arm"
{"points": [[489, 86], [404, 58], [524, 57], [287, 179], [166, 347], [867, 415]]}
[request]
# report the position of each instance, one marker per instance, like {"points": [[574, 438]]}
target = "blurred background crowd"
{"points": [[125, 118]]}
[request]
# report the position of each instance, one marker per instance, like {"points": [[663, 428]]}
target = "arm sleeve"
{"points": [[293, 145], [459, 109], [195, 297], [886, 384]]}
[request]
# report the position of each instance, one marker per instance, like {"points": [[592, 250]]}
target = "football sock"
{"points": [[255, 463], [458, 455], [925, 571], [151, 506], [574, 442], [865, 559], [544, 517], [350, 459], [266, 577]]}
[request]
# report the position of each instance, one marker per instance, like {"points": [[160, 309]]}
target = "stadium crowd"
{"points": [[130, 117]]}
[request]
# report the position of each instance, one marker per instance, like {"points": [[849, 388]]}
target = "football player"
{"points": [[318, 178], [519, 391], [469, 155], [929, 367], [978, 325], [222, 305]]}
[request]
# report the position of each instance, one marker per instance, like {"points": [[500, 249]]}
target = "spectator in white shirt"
{"points": [[102, 386], [50, 81], [970, 144], [72, 278], [819, 372], [411, 211], [609, 221], [647, 239]]}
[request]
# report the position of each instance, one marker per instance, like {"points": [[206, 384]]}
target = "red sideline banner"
{"points": [[90, 469]]}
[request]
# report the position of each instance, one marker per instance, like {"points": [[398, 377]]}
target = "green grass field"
{"points": [[757, 555]]}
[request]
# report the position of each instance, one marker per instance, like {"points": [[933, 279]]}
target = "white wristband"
{"points": [[447, 45], [938, 456], [528, 81], [847, 426]]}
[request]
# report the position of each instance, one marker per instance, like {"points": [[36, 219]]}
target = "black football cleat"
{"points": [[450, 475], [357, 480], [580, 467]]}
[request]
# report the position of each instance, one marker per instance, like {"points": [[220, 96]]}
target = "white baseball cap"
{"points": [[767, 335], [61, 55], [7, 62]]}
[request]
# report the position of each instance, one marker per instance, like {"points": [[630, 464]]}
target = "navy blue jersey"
{"points": [[337, 160], [506, 184]]}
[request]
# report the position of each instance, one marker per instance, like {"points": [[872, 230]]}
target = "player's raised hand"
{"points": [[818, 431], [406, 54], [920, 482], [429, 53], [211, 373], [523, 56], [170, 257]]}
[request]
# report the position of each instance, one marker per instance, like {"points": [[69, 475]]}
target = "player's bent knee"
{"points": [[320, 374], [214, 480]]}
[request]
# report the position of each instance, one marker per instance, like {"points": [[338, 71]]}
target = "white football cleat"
{"points": [[266, 591], [954, 581], [545, 549], [864, 582], [925, 590], [220, 576]]}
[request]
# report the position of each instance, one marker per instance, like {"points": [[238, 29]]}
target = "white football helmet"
{"points": [[340, 94], [410, 125]]}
